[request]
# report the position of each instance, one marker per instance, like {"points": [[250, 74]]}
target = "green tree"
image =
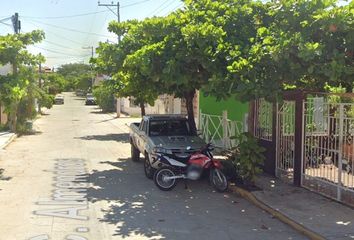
{"points": [[13, 86], [164, 63], [114, 60], [104, 94], [298, 45], [77, 75], [54, 83]]}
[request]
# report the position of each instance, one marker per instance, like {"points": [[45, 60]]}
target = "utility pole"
{"points": [[112, 4], [92, 77], [16, 23]]}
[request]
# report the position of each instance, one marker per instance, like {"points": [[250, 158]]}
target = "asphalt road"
{"points": [[73, 179]]}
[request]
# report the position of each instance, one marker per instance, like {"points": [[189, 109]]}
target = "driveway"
{"points": [[73, 179]]}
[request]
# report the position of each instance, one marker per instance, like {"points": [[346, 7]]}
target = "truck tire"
{"points": [[148, 169], [135, 154]]}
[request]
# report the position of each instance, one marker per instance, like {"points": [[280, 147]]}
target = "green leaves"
{"points": [[247, 157], [16, 87], [244, 47]]}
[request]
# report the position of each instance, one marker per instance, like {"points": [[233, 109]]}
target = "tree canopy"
{"points": [[16, 85], [76, 75], [246, 48]]}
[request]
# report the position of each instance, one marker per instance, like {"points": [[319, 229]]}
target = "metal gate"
{"points": [[328, 149], [285, 150]]}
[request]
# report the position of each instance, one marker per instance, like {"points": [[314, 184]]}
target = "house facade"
{"points": [[164, 104], [4, 70]]}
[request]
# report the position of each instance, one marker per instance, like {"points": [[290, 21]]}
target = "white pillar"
{"points": [[118, 107]]}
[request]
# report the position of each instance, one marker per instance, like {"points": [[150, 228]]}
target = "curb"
{"points": [[13, 137], [283, 218]]}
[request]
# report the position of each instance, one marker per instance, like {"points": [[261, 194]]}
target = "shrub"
{"points": [[247, 157], [104, 97]]}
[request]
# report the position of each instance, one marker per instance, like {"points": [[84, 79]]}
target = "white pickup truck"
{"points": [[161, 133]]}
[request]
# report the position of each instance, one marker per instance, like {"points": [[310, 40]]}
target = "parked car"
{"points": [[59, 99], [162, 133], [90, 99], [80, 93]]}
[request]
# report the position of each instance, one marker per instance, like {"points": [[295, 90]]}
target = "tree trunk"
{"points": [[189, 96], [13, 117], [142, 108]]}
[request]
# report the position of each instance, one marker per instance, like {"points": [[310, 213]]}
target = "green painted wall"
{"points": [[236, 110]]}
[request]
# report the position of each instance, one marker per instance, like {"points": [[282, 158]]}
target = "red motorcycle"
{"points": [[189, 168]]}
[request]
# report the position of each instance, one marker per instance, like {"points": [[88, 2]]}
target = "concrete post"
{"points": [[225, 130]]}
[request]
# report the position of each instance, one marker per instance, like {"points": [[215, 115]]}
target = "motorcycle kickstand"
{"points": [[185, 184]]}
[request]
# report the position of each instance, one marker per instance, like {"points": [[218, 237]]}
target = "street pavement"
{"points": [[73, 179]]}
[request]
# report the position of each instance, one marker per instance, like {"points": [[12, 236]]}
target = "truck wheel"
{"points": [[148, 169], [134, 153]]}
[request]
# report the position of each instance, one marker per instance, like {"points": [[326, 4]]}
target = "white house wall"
{"points": [[163, 105]]}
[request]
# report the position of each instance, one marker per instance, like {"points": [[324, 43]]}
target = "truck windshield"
{"points": [[169, 128]]}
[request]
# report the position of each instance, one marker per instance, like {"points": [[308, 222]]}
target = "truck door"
{"points": [[142, 135]]}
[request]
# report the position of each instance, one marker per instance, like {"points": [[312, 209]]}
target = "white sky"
{"points": [[66, 34]]}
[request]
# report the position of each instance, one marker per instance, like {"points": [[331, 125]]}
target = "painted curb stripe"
{"points": [[13, 137]]}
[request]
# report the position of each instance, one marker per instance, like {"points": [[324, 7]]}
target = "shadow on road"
{"points": [[98, 112], [119, 137], [30, 133], [135, 203], [2, 176]]}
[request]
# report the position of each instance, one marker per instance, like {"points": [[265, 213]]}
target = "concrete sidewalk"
{"points": [[6, 138], [317, 213]]}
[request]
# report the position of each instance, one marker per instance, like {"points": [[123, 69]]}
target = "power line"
{"points": [[58, 35], [64, 57], [53, 51], [174, 9], [91, 25], [161, 10], [83, 14], [67, 16], [59, 45], [133, 4], [163, 4], [70, 29]]}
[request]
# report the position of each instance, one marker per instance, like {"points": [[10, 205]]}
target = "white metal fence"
{"points": [[219, 129], [328, 147], [263, 120], [285, 148]]}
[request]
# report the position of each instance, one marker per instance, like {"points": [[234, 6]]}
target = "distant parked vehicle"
{"points": [[90, 99], [59, 99], [80, 93]]}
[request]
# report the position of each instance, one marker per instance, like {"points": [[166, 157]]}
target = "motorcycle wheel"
{"points": [[218, 180], [165, 184]]}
